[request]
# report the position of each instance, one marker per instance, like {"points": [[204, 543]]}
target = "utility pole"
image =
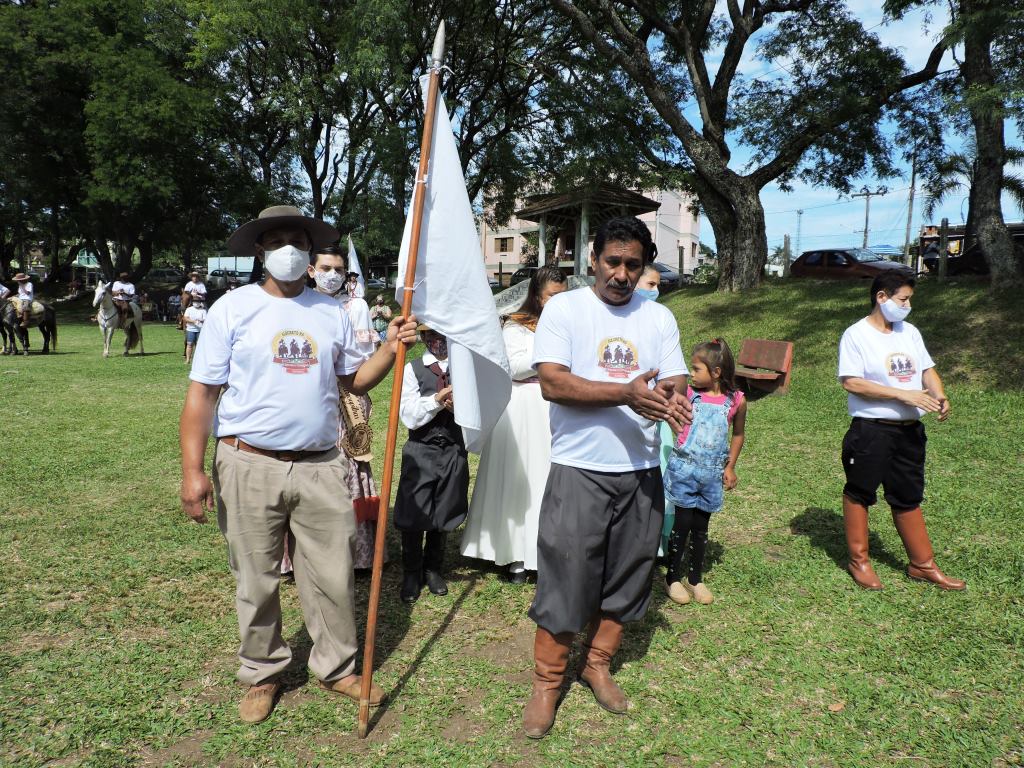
{"points": [[867, 194], [910, 210], [799, 217], [787, 256]]}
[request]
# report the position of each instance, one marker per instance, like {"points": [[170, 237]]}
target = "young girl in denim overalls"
{"points": [[703, 460]]}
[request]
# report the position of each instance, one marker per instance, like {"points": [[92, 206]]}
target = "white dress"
{"points": [[504, 513]]}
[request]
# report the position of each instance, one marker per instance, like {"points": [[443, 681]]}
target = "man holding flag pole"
{"points": [[446, 287]]}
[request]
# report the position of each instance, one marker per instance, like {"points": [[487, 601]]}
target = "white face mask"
{"points": [[286, 264], [328, 282], [893, 312]]}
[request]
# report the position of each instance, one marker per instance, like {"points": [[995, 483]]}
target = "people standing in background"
{"points": [[380, 316], [194, 318], [504, 514]]}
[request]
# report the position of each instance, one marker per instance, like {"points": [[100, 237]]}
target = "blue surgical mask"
{"points": [[893, 312], [648, 293]]}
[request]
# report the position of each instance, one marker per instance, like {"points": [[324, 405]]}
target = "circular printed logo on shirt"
{"points": [[900, 366], [295, 350], [618, 357]]}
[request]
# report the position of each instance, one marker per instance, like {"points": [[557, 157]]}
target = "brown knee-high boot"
{"points": [[604, 636], [855, 520], [550, 658], [912, 530]]}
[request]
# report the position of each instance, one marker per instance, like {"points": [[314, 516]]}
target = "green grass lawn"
{"points": [[118, 632]]}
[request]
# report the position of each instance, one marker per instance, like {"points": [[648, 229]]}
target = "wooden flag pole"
{"points": [[419, 198]]}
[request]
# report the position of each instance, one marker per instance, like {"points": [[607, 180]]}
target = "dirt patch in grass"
{"points": [[188, 751], [31, 642]]}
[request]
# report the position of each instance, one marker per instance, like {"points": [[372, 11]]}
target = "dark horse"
{"points": [[12, 332]]}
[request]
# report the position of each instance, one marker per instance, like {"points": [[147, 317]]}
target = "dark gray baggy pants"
{"points": [[596, 547]]}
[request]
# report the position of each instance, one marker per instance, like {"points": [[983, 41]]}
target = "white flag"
{"points": [[452, 294], [353, 266]]}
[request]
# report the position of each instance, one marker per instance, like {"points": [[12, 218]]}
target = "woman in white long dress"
{"points": [[505, 510]]}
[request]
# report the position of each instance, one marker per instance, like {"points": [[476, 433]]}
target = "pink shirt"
{"points": [[705, 397]]}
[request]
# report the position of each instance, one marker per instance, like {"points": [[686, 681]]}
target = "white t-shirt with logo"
{"points": [[601, 342], [896, 359], [194, 319], [196, 289], [279, 358], [125, 289]]}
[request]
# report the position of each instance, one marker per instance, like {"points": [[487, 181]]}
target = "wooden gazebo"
{"points": [[574, 212]]}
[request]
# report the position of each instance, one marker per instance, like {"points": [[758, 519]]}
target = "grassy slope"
{"points": [[118, 630]]}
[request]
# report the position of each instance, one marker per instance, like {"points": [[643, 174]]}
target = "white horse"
{"points": [[109, 320]]}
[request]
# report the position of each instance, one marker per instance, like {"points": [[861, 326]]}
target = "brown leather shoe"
{"points": [[258, 702], [912, 530], [550, 658], [351, 685], [604, 636], [855, 521]]}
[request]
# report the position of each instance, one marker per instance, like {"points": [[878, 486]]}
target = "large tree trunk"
{"points": [[987, 187], [737, 218], [54, 274]]}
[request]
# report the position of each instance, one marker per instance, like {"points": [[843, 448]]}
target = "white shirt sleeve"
{"points": [[851, 358], [415, 409], [922, 351], [552, 342], [4, 292], [348, 356], [670, 358], [519, 348], [212, 359]]}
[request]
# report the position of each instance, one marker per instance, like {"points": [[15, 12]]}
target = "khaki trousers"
{"points": [[257, 499]]}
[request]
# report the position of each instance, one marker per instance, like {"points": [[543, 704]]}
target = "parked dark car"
{"points": [[670, 279], [843, 263]]}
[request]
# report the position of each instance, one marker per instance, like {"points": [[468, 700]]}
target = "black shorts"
{"points": [[596, 546], [890, 455]]}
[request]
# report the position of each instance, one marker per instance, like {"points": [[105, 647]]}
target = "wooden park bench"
{"points": [[765, 364]]}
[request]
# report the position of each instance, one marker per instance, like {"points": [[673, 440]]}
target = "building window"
{"points": [[503, 244]]}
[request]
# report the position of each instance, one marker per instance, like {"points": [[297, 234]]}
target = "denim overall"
{"points": [[693, 476]]}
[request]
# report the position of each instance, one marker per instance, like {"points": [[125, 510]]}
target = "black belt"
{"points": [[891, 422]]}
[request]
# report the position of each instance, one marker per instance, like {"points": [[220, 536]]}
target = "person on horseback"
{"points": [[26, 294], [123, 293], [194, 289]]}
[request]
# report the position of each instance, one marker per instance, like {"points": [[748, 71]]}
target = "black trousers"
{"points": [[890, 455], [690, 535], [596, 546]]}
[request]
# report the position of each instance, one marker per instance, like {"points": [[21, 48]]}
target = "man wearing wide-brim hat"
{"points": [[25, 296], [278, 352]]}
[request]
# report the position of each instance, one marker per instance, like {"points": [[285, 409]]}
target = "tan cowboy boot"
{"points": [[604, 636], [855, 520], [550, 658], [25, 315], [912, 530], [258, 702]]}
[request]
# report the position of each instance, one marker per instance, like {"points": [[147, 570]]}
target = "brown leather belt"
{"points": [[241, 445]]}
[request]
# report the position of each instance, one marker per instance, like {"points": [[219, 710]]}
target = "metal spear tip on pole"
{"points": [[437, 56]]}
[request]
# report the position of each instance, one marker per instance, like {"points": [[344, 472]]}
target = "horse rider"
{"points": [[123, 291], [194, 289], [26, 293]]}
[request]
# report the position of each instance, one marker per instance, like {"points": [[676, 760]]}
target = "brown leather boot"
{"points": [[912, 530], [855, 520], [550, 658], [604, 636]]}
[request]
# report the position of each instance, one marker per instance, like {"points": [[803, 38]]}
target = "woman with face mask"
{"points": [[892, 382], [505, 512], [328, 275]]}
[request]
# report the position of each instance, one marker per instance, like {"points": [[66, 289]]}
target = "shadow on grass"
{"points": [[296, 674], [824, 529], [395, 693]]}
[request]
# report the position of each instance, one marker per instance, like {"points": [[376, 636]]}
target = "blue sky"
{"points": [[831, 220]]}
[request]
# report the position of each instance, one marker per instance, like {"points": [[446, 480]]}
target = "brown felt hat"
{"points": [[21, 277], [243, 241]]}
